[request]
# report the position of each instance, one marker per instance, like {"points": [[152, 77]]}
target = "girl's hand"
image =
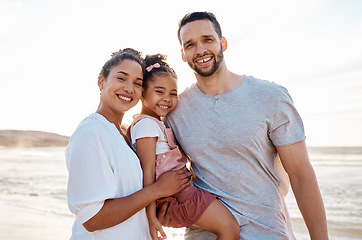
{"points": [[155, 228], [173, 182]]}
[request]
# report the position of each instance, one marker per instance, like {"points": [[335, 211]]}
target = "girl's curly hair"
{"points": [[156, 64]]}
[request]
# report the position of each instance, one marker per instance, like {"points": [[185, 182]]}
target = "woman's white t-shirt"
{"points": [[102, 166]]}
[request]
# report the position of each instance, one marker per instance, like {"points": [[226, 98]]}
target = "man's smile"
{"points": [[204, 60]]}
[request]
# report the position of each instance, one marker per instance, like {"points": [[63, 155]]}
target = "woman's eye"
{"points": [[138, 84], [159, 92], [173, 94], [121, 78]]}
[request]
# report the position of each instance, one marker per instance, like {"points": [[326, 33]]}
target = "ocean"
{"points": [[33, 194]]}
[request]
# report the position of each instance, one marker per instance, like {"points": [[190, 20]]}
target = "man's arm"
{"points": [[303, 180]]}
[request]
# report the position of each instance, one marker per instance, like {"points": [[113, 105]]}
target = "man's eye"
{"points": [[189, 45]]}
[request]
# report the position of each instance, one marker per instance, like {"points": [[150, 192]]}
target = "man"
{"points": [[233, 127]]}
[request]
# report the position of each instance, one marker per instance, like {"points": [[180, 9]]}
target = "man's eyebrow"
{"points": [[208, 36], [203, 36]]}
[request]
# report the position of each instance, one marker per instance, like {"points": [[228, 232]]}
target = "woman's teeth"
{"points": [[125, 98]]}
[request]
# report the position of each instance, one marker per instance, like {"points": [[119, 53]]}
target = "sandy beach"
{"points": [[17, 223]]}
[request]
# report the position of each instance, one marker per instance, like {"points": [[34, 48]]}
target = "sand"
{"points": [[17, 223]]}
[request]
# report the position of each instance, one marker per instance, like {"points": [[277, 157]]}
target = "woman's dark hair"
{"points": [[119, 56], [190, 17], [156, 65]]}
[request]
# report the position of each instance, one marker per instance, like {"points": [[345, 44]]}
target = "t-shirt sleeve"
{"points": [[91, 180], [145, 128], [287, 125]]}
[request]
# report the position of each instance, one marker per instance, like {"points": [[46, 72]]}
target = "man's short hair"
{"points": [[190, 17]]}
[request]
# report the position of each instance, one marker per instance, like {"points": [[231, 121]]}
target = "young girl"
{"points": [[157, 150], [105, 177]]}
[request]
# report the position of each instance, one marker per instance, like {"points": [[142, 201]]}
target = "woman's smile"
{"points": [[125, 98]]}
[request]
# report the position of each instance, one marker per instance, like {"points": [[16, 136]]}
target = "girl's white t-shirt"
{"points": [[147, 127], [102, 166]]}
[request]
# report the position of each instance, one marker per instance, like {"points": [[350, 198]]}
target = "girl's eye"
{"points": [[159, 92], [173, 94], [139, 84], [121, 78]]}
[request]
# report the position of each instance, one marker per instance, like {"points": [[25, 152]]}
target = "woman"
{"points": [[105, 178]]}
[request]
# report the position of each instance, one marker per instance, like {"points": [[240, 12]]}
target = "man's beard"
{"points": [[215, 67]]}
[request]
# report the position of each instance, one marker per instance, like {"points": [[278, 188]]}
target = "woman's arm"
{"points": [[115, 211]]}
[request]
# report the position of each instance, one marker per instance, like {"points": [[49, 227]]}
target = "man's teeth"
{"points": [[204, 60], [124, 98]]}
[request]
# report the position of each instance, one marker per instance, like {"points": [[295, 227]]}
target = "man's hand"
{"points": [[163, 215], [172, 182]]}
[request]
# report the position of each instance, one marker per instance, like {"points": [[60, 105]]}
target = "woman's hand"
{"points": [[173, 182]]}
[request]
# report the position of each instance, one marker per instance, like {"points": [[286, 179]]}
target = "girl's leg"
{"points": [[218, 220]]}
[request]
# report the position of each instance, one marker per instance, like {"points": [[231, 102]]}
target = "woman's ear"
{"points": [[224, 44], [100, 82]]}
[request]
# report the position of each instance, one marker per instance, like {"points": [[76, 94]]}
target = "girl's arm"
{"points": [[115, 211], [146, 152]]}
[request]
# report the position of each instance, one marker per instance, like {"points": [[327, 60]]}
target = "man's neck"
{"points": [[221, 82]]}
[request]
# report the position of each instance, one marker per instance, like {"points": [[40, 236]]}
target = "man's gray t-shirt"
{"points": [[231, 140]]}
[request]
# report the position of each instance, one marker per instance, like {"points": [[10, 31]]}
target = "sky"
{"points": [[51, 52]]}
